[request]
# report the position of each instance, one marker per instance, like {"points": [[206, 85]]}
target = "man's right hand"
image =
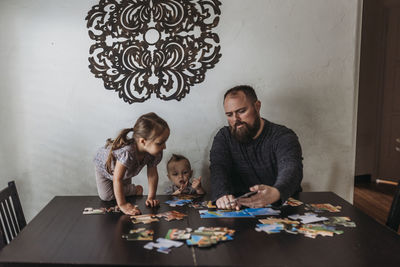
{"points": [[227, 202], [129, 209]]}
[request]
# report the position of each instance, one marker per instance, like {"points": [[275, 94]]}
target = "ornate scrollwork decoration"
{"points": [[153, 46]]}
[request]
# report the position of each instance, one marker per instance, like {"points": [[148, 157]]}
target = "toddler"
{"points": [[179, 173]]}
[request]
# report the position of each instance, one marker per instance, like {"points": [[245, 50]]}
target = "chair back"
{"points": [[393, 220], [12, 219]]}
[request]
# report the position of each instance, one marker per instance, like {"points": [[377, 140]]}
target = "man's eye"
{"points": [[242, 111]]}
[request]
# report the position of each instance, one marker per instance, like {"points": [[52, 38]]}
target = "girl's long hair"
{"points": [[148, 126]]}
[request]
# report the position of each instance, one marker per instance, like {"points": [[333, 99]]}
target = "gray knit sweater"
{"points": [[274, 158]]}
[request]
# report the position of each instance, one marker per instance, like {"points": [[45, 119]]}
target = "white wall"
{"points": [[300, 55]]}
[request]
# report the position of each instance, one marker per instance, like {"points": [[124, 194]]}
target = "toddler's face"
{"points": [[179, 172]]}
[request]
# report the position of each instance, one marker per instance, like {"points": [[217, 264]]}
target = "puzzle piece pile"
{"points": [[202, 237], [305, 224]]}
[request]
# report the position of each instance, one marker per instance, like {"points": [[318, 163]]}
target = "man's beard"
{"points": [[246, 133]]}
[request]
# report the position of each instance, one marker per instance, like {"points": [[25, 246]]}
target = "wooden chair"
{"points": [[12, 219], [393, 220]]}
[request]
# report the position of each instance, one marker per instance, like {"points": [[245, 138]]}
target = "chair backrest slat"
{"points": [[14, 216], [6, 228], [12, 219], [4, 238], [10, 214]]}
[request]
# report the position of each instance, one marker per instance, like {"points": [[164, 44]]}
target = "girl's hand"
{"points": [[152, 202], [196, 183], [130, 209]]}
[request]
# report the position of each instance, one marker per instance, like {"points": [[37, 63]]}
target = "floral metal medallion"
{"points": [[153, 46]]}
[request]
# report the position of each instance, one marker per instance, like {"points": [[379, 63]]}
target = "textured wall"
{"points": [[300, 55]]}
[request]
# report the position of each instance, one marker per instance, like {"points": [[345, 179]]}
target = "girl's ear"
{"points": [[191, 173], [142, 141]]}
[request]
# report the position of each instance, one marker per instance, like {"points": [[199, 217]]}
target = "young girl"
{"points": [[123, 158]]}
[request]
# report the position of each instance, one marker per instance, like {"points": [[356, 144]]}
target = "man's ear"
{"points": [[257, 105]]}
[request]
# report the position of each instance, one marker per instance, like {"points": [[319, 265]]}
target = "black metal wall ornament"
{"points": [[153, 46]]}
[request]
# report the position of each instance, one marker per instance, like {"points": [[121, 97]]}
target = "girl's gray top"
{"points": [[126, 156]]}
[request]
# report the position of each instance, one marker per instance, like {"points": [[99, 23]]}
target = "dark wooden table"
{"points": [[61, 235]]}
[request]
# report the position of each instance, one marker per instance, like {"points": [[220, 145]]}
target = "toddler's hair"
{"points": [[175, 158], [148, 126]]}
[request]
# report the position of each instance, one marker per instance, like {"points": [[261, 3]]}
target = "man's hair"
{"points": [[246, 89], [176, 158]]}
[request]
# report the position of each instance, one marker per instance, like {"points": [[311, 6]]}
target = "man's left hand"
{"points": [[265, 195]]}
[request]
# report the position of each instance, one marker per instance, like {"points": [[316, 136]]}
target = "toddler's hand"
{"points": [[183, 186], [130, 209], [196, 183], [177, 192], [152, 202]]}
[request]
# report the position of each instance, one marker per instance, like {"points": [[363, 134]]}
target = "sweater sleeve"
{"points": [[289, 165], [220, 167]]}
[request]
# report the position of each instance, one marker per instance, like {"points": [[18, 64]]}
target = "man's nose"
{"points": [[237, 116]]}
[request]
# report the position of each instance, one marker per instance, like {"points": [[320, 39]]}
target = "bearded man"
{"points": [[253, 154]]}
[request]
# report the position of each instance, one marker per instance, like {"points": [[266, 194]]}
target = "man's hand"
{"points": [[150, 202], [129, 209], [265, 195], [227, 202]]}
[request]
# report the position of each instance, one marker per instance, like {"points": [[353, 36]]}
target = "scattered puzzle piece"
{"points": [[210, 205], [312, 230], [145, 218], [293, 202], [163, 245], [103, 210], [178, 202], [322, 207], [223, 214], [345, 221], [171, 215], [176, 234], [139, 234], [308, 217], [207, 236]]}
